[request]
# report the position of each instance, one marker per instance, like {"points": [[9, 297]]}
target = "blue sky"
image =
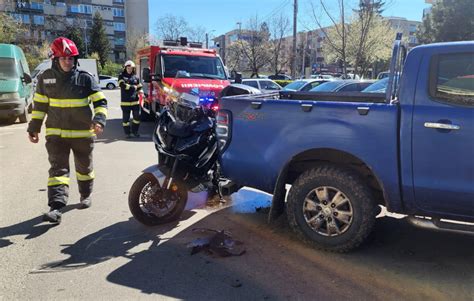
{"points": [[221, 16]]}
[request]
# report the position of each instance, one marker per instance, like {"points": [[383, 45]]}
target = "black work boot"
{"points": [[86, 202], [137, 135], [53, 216]]}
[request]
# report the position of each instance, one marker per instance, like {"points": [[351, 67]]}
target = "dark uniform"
{"points": [[129, 88], [66, 99]]}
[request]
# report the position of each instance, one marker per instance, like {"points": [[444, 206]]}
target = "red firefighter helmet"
{"points": [[63, 47]]}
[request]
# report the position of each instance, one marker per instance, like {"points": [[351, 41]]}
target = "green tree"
{"points": [[449, 20], [367, 44], [10, 29], [98, 39], [74, 33]]}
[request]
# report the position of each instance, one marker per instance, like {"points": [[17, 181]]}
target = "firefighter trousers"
{"points": [[58, 154], [135, 110]]}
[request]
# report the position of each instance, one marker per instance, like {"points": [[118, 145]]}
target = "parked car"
{"points": [[16, 91], [342, 86], [279, 77], [322, 76], [109, 82], [379, 86], [304, 84], [383, 75], [409, 150], [263, 84]]}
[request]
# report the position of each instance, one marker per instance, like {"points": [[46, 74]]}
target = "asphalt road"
{"points": [[103, 253]]}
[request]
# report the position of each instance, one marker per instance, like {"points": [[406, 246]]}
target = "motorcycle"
{"points": [[187, 145]]}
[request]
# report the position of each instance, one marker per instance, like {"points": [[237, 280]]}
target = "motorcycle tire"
{"points": [[142, 190]]}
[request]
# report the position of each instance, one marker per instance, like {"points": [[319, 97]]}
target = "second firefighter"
{"points": [[130, 88]]}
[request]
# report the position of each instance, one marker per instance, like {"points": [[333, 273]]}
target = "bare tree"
{"points": [[171, 27], [197, 34], [234, 57], [255, 46], [135, 41], [366, 14], [280, 27], [337, 40]]}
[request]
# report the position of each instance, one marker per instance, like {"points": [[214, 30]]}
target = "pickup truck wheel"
{"points": [[331, 207], [153, 205], [110, 86]]}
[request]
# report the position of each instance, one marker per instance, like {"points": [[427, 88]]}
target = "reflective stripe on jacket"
{"points": [[129, 88], [65, 99]]}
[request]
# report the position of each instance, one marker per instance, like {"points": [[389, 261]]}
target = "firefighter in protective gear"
{"points": [[130, 88], [64, 94]]}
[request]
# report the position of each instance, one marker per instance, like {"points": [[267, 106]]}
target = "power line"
{"points": [[280, 7]]}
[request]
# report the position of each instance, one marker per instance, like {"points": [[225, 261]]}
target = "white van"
{"points": [[89, 65]]}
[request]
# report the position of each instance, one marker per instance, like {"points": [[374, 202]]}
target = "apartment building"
{"points": [[48, 19], [407, 27]]}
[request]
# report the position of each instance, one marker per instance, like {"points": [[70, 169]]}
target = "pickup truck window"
{"points": [[454, 81]]}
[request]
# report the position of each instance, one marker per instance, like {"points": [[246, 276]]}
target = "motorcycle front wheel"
{"points": [[152, 204]]}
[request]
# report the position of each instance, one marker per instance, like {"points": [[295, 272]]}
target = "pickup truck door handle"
{"points": [[256, 105], [306, 107], [441, 126]]}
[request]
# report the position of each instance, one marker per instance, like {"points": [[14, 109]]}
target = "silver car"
{"points": [[263, 84]]}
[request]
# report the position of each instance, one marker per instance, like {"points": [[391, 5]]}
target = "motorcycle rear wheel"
{"points": [[150, 206]]}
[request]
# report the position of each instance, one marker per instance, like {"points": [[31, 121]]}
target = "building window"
{"points": [[85, 9], [36, 5], [119, 26], [38, 20], [25, 19], [119, 41], [118, 12], [74, 8]]}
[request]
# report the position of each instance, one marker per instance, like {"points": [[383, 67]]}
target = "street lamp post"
{"points": [[240, 30], [207, 38]]}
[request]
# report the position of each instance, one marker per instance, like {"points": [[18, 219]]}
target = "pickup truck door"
{"points": [[443, 135]]}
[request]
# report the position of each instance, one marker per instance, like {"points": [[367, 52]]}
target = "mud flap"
{"points": [[278, 200]]}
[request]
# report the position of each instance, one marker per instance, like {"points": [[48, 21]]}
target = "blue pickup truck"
{"points": [[330, 159]]}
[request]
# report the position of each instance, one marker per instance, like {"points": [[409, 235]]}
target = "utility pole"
{"points": [[293, 55], [305, 41], [85, 37], [207, 40]]}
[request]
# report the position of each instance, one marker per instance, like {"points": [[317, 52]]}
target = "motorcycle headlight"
{"points": [[14, 95]]}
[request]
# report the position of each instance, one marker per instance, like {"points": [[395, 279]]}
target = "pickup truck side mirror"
{"points": [[146, 75], [26, 78]]}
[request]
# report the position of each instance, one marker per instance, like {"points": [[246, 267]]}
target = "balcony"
{"points": [[55, 10]]}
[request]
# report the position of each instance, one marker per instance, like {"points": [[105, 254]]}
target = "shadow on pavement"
{"points": [[31, 228], [400, 262], [113, 241], [113, 132]]}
